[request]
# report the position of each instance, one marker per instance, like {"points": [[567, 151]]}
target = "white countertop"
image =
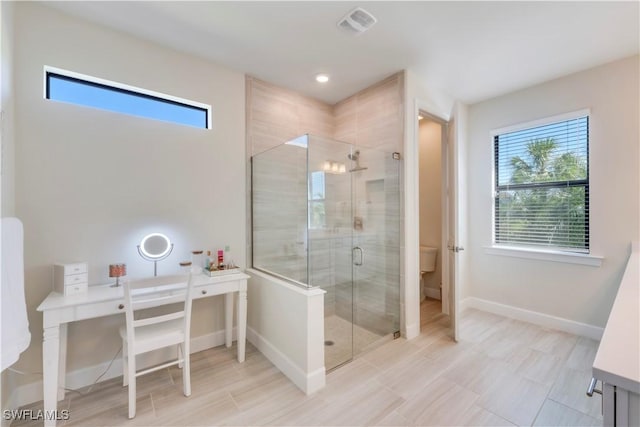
{"points": [[106, 292], [618, 359]]}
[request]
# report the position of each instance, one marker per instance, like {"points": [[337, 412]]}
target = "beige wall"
{"points": [[373, 117], [91, 183], [430, 139], [276, 115], [579, 293]]}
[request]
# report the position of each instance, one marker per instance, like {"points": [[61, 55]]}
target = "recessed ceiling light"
{"points": [[322, 78], [420, 117]]}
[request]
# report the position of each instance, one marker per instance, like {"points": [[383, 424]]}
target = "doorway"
{"points": [[434, 219]]}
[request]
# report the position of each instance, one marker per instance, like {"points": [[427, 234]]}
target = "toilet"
{"points": [[427, 259], [427, 265]]}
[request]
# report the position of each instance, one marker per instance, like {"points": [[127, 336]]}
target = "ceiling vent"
{"points": [[357, 21]]}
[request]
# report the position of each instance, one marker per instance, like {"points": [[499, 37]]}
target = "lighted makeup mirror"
{"points": [[155, 247]]}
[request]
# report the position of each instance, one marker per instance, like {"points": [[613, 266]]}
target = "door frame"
{"points": [[411, 254], [446, 217]]}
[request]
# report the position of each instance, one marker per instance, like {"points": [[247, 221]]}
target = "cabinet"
{"points": [[617, 362], [70, 279]]}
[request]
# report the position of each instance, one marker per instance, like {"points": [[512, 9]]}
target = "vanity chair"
{"points": [[142, 334]]}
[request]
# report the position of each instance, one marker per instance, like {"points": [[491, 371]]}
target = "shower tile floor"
{"points": [[338, 331]]}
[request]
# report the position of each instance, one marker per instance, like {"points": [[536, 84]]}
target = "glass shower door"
{"points": [[331, 243], [376, 239]]}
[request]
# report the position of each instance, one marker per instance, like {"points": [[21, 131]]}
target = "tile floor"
{"points": [[502, 372]]}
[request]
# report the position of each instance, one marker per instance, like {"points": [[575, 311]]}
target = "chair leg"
{"points": [[125, 369], [186, 369], [132, 386], [180, 355]]}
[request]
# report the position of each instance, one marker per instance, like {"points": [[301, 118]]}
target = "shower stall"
{"points": [[327, 214]]}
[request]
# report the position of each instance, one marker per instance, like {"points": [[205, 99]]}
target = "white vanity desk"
{"points": [[59, 310]]}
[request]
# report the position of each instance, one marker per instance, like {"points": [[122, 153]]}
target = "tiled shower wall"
{"points": [[372, 118]]}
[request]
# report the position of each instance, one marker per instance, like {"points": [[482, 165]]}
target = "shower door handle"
{"points": [[358, 256]]}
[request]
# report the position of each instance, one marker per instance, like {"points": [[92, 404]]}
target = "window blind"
{"points": [[542, 186]]}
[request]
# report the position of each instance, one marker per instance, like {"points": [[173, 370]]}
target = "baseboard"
{"points": [[307, 382], [432, 292], [541, 319], [413, 331], [32, 392]]}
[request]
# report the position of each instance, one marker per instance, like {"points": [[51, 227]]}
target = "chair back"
{"points": [[168, 292]]}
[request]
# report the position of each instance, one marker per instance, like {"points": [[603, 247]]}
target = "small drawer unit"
{"points": [[70, 279]]}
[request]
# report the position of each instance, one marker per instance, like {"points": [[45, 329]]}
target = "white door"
{"points": [[452, 225]]}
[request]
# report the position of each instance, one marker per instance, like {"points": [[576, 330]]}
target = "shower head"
{"points": [[355, 156]]}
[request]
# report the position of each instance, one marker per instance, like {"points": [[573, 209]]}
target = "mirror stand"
{"points": [[155, 260], [155, 247]]}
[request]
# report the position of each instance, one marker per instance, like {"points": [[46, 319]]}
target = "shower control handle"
{"points": [[359, 260]]}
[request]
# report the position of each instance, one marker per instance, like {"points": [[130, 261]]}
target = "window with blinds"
{"points": [[542, 186]]}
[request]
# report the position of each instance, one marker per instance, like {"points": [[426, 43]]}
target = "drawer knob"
{"points": [[204, 292], [121, 306]]}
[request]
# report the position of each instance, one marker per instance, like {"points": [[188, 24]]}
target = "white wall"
{"points": [[430, 139], [7, 174], [91, 183], [7, 195], [285, 323], [579, 293]]}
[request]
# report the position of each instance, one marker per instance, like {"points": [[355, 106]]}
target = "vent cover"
{"points": [[357, 21]]}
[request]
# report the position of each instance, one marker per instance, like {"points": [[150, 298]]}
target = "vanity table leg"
{"points": [[62, 362], [228, 319], [242, 323], [50, 366]]}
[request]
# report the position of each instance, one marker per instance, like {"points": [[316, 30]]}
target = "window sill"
{"points": [[550, 255]]}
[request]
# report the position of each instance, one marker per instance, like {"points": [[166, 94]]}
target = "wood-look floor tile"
{"points": [[278, 403], [446, 349], [448, 408], [113, 415], [348, 377], [557, 414], [558, 343], [478, 416], [389, 355], [206, 413], [476, 372], [393, 419], [413, 375], [569, 389], [500, 373], [583, 355], [499, 347], [251, 391], [309, 413], [414, 407], [169, 402], [515, 399], [537, 366]]}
